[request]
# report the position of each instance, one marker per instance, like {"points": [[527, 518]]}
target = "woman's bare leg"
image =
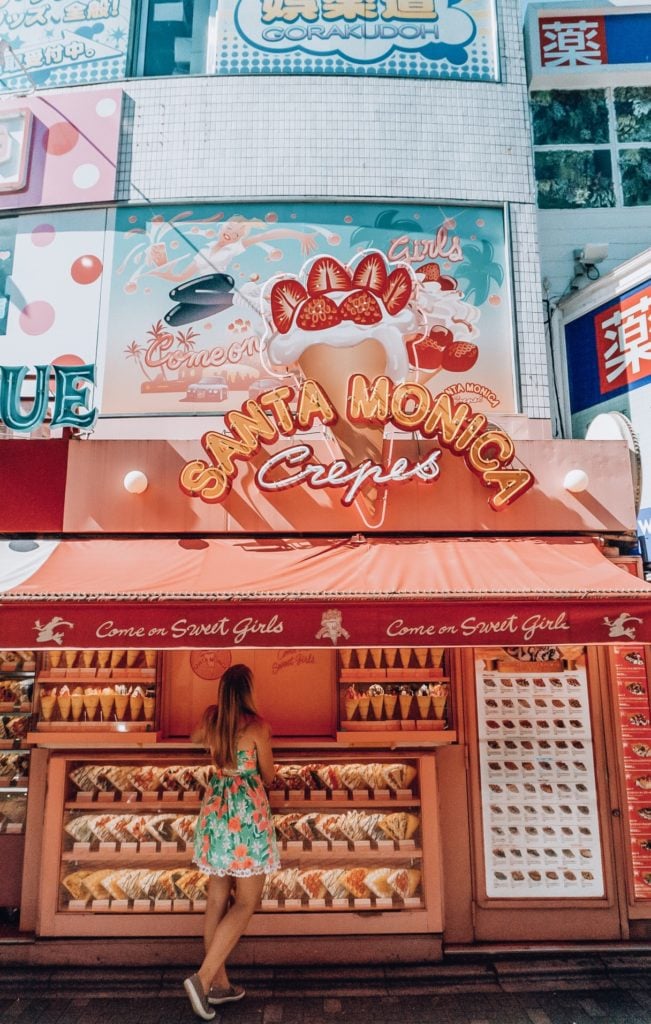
{"points": [[219, 892], [227, 933]]}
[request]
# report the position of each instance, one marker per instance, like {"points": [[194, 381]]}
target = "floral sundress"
{"points": [[235, 832]]}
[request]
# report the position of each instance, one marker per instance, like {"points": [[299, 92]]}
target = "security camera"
{"points": [[591, 254]]}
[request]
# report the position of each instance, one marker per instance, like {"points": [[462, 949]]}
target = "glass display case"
{"points": [[17, 669], [354, 837]]}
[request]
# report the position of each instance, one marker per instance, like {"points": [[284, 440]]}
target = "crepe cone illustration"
{"points": [[77, 702], [404, 700], [421, 656], [64, 703], [377, 703], [150, 659], [48, 700], [332, 367], [103, 658], [390, 701], [439, 706], [121, 705], [132, 657], [87, 658], [376, 656], [55, 658], [364, 703], [70, 658], [405, 655], [107, 701], [149, 706], [390, 656], [91, 703], [135, 704], [346, 656], [424, 703], [116, 658]]}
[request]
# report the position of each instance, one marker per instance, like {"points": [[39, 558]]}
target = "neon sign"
{"points": [[69, 397], [487, 450]]}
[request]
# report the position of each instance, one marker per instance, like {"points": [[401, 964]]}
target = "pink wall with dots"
{"points": [[73, 149]]}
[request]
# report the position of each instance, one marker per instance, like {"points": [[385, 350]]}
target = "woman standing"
{"points": [[235, 842]]}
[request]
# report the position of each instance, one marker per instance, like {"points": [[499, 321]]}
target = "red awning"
{"points": [[285, 592]]}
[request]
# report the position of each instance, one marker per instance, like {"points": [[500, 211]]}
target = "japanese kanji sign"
{"points": [[411, 38], [62, 42], [572, 42], [623, 338], [578, 40], [609, 371]]}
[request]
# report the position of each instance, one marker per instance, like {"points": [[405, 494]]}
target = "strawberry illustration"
{"points": [[397, 290], [423, 351], [318, 313], [328, 275], [361, 307], [460, 356], [371, 273], [432, 272], [441, 336], [286, 297]]}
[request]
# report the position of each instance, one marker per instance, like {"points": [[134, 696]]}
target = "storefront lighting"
{"points": [[135, 482], [576, 480]]}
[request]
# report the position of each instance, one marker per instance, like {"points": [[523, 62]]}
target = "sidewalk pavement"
{"points": [[596, 988]]}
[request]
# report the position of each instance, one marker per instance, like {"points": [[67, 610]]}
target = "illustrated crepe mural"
{"points": [[211, 307]]}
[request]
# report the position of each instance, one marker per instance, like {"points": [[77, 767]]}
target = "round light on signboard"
{"points": [[135, 482], [576, 480]]}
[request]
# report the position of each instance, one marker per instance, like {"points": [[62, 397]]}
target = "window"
{"points": [[174, 37], [592, 147]]}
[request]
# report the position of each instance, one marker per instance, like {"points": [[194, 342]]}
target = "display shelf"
{"points": [[392, 739], [392, 675], [377, 798], [110, 725]]}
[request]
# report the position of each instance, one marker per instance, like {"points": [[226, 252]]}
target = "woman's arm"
{"points": [[200, 732], [265, 753]]}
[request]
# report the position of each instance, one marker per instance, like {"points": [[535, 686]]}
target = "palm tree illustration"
{"points": [[186, 340], [135, 351], [372, 236], [158, 333], [480, 270]]}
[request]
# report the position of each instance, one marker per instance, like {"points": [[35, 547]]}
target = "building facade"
{"points": [[279, 375]]}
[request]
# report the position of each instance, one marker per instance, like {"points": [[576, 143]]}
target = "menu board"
{"points": [[635, 724], [538, 789]]}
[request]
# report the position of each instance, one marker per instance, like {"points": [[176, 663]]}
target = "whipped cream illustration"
{"points": [[328, 288]]}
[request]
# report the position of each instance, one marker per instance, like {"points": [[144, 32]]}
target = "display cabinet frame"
{"points": [[361, 916]]}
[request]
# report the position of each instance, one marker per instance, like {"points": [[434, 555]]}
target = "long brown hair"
{"points": [[235, 706]]}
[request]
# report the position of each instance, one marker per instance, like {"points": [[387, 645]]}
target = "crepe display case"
{"points": [[98, 691], [17, 670], [16, 691], [357, 843], [394, 695]]}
